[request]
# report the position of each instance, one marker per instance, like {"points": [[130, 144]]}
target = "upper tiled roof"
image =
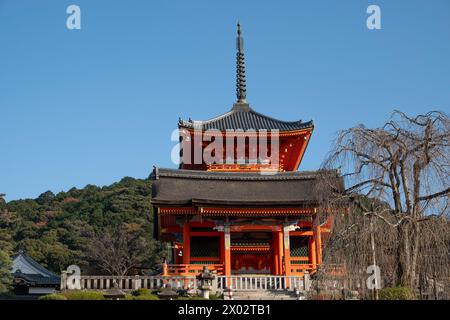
{"points": [[28, 269], [245, 118]]}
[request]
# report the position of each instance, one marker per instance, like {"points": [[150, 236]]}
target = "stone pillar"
{"points": [[136, 283], [214, 283], [63, 285], [306, 281]]}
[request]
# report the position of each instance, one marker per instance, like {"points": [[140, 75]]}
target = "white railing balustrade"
{"points": [[220, 283], [128, 282], [251, 283]]}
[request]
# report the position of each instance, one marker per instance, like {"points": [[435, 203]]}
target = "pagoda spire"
{"points": [[241, 89]]}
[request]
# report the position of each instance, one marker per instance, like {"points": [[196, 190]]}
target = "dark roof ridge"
{"points": [[241, 176]]}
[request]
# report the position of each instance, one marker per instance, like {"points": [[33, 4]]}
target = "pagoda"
{"points": [[244, 208]]}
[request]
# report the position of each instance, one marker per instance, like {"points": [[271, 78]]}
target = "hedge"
{"points": [[141, 292], [53, 296], [396, 293], [83, 295]]}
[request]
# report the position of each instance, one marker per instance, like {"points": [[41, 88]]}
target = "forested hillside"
{"points": [[85, 227]]}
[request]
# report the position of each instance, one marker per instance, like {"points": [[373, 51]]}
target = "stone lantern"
{"points": [[115, 293], [206, 278], [168, 293]]}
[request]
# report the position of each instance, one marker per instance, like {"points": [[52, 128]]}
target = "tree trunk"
{"points": [[403, 255], [415, 253], [374, 257], [435, 286]]}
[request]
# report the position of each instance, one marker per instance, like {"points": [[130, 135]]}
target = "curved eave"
{"points": [[43, 271], [283, 126], [243, 117], [233, 203]]}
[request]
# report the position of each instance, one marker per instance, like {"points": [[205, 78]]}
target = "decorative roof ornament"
{"points": [[241, 115], [241, 87]]}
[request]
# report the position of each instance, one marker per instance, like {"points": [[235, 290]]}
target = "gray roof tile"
{"points": [[188, 187], [245, 118]]}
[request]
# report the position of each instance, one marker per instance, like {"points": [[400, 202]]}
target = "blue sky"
{"points": [[91, 106]]}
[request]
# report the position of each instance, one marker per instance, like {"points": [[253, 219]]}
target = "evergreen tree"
{"points": [[55, 230]]}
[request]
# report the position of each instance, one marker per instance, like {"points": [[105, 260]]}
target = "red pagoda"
{"points": [[246, 209]]}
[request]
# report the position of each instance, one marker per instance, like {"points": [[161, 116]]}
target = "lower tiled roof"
{"points": [[187, 187]]}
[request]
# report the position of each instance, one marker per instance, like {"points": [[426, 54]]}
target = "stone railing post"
{"points": [[214, 284], [136, 283], [63, 285], [306, 281], [228, 293]]}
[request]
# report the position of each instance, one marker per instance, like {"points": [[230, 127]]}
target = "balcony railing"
{"points": [[297, 268], [189, 269]]}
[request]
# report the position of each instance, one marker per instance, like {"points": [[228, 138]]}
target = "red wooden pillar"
{"points": [[280, 251], [165, 269], [319, 244], [275, 253], [312, 251], [227, 254], [222, 250], [287, 251], [186, 243]]}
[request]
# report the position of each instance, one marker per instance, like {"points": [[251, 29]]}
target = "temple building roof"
{"points": [[245, 118], [178, 187], [27, 269]]}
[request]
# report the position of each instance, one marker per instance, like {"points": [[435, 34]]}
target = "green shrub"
{"points": [[143, 297], [191, 298], [141, 292], [396, 293], [53, 296], [146, 297], [7, 295], [84, 295], [211, 297]]}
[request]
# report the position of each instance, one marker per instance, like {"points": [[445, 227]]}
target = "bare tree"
{"points": [[404, 168], [117, 252]]}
